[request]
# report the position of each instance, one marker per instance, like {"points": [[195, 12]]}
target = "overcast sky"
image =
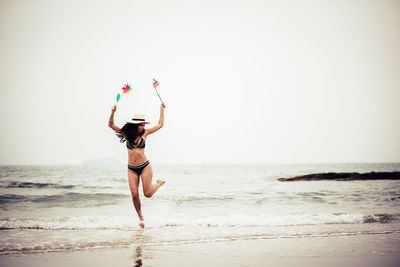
{"points": [[244, 81]]}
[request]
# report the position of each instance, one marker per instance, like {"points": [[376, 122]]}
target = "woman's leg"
{"points": [[133, 179], [148, 188]]}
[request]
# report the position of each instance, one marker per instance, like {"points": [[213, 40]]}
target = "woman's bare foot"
{"points": [[160, 182], [141, 222]]}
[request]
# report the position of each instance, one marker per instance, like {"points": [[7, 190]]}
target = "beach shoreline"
{"points": [[354, 250]]}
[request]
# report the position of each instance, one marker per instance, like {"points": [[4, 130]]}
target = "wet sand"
{"points": [[355, 250]]}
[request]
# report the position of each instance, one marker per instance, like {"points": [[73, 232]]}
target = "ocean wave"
{"points": [[295, 220], [83, 243], [66, 199], [70, 223], [54, 246], [379, 218], [14, 184], [183, 199], [129, 223]]}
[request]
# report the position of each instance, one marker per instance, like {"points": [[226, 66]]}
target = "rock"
{"points": [[344, 176]]}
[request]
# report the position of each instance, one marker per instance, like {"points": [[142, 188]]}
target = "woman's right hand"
{"points": [[114, 108]]}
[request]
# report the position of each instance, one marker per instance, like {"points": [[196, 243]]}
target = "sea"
{"points": [[69, 208]]}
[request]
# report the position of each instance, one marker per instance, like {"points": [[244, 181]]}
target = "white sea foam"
{"points": [[129, 222], [71, 223]]}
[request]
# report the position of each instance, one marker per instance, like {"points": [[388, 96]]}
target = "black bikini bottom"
{"points": [[138, 169]]}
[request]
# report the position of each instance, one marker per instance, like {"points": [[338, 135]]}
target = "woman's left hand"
{"points": [[163, 106]]}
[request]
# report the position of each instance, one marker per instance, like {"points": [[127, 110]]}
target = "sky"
{"points": [[243, 81]]}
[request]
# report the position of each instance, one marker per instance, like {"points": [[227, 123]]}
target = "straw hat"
{"points": [[137, 119]]}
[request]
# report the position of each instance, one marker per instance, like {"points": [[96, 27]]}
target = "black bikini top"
{"points": [[131, 145]]}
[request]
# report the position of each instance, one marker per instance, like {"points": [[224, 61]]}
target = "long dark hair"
{"points": [[129, 132]]}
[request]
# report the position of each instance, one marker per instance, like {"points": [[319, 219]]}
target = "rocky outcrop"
{"points": [[344, 176]]}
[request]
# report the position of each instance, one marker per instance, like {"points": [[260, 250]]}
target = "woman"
{"points": [[134, 134]]}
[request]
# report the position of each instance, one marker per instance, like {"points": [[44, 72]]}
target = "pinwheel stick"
{"points": [[158, 95]]}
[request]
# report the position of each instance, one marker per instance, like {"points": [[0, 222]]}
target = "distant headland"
{"points": [[102, 162], [344, 176]]}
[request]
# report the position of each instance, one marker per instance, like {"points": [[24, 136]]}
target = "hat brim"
{"points": [[138, 122]]}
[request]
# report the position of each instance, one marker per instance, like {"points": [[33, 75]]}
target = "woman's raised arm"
{"points": [[160, 122], [111, 120]]}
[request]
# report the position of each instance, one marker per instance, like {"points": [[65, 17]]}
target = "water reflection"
{"points": [[140, 238], [138, 257]]}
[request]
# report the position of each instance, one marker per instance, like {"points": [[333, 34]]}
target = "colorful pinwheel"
{"points": [[155, 85], [126, 89]]}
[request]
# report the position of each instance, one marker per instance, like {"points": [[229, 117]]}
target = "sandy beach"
{"points": [[348, 250]]}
